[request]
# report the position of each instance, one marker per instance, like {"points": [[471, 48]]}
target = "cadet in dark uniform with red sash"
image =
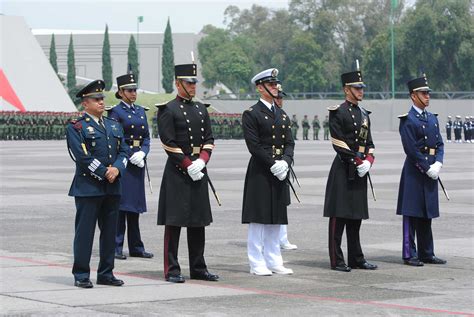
{"points": [[96, 145], [137, 136], [267, 133], [418, 191], [185, 132], [346, 190]]}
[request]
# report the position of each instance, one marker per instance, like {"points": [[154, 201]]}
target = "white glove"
{"points": [[141, 164], [434, 170], [137, 157], [196, 166], [279, 167], [196, 177], [363, 168], [282, 176]]}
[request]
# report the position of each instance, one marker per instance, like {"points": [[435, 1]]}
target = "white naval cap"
{"points": [[266, 76]]}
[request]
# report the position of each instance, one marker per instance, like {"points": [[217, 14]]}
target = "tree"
{"points": [[71, 66], [53, 58], [305, 65], [167, 60], [436, 37], [132, 57], [106, 61]]}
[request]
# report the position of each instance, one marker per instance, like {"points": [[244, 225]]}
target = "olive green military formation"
{"points": [[48, 125], [226, 126]]}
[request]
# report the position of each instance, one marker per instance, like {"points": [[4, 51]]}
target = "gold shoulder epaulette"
{"points": [[335, 107], [107, 108], [403, 116]]}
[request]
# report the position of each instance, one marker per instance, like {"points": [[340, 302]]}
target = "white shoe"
{"points": [[261, 271], [288, 246], [281, 270]]}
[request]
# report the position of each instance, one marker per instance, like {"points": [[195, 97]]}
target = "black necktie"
{"points": [[423, 114], [101, 123], [273, 108]]}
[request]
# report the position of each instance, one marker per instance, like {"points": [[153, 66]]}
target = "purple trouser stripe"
{"points": [[406, 238]]}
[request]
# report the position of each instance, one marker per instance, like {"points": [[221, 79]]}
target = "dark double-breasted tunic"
{"points": [[94, 149], [185, 132], [268, 138], [137, 138], [423, 145], [346, 192]]}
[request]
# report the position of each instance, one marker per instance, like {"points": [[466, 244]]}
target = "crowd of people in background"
{"points": [[48, 125], [458, 127]]}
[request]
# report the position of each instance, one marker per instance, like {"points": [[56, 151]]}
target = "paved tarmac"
{"points": [[37, 221]]}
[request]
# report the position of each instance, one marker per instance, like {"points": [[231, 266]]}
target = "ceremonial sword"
{"points": [[372, 186], [148, 176], [213, 190], [444, 190]]}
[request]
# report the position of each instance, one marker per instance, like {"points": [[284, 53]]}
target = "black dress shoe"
{"points": [[84, 283], [205, 276], [413, 262], [364, 266], [120, 256], [112, 281], [341, 268], [144, 254], [434, 260], [175, 278]]}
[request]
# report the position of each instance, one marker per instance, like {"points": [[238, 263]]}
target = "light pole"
{"points": [[393, 6], [139, 20]]}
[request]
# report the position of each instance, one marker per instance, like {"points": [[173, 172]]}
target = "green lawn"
{"points": [[145, 100]]}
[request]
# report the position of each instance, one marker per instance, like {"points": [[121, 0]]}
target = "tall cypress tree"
{"points": [[106, 60], [53, 58], [133, 58], [167, 60], [71, 67]]}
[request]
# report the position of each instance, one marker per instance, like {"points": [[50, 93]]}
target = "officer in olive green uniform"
{"points": [[326, 128], [294, 127], [316, 127]]}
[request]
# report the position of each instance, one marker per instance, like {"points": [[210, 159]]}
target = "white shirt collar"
{"points": [[266, 103], [130, 106], [96, 119], [420, 111]]}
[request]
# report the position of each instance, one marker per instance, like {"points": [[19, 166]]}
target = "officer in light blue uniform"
{"points": [[137, 138], [96, 145], [418, 191]]}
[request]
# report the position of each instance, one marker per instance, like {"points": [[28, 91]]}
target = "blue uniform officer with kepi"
{"points": [[96, 145], [418, 192], [137, 138]]}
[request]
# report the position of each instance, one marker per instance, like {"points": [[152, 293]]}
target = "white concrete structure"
{"points": [[27, 80]]}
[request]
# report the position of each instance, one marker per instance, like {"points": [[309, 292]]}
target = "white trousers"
{"points": [[263, 246], [284, 235]]}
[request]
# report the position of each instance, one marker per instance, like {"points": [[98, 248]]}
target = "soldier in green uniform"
{"points": [[326, 128], [154, 128], [305, 125], [237, 129], [316, 126], [225, 128], [294, 127]]}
